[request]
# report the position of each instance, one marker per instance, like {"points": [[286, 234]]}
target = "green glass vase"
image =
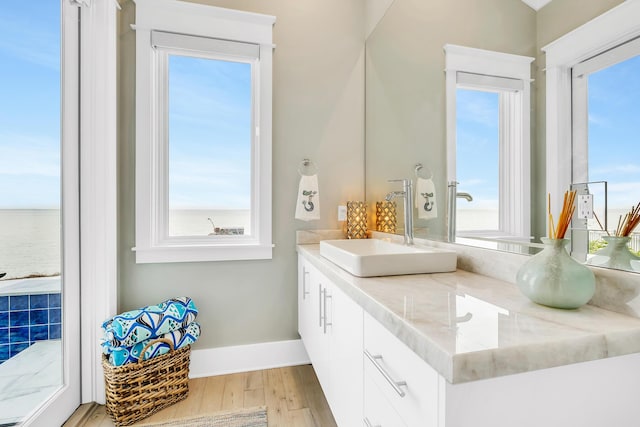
{"points": [[553, 278], [616, 254]]}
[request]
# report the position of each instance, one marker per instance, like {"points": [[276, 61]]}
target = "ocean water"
{"points": [[30, 238], [29, 242]]}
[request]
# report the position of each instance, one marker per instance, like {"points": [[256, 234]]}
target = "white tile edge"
{"points": [[245, 358]]}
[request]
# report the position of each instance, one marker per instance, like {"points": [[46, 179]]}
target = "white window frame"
{"points": [[510, 75], [613, 28], [194, 28]]}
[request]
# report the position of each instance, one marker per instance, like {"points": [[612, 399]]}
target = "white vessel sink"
{"points": [[374, 257]]}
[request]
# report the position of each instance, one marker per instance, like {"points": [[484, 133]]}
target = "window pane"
{"points": [[614, 109], [210, 122], [477, 152]]}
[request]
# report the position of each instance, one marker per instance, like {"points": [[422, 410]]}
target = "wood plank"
{"points": [[294, 388], [81, 415], [233, 396], [275, 398], [213, 392], [254, 380], [193, 403], [302, 418], [315, 397], [254, 397]]}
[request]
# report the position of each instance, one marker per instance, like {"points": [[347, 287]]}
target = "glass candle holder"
{"points": [[386, 218], [356, 220]]}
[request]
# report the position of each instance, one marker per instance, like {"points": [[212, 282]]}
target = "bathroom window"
{"points": [[488, 98], [203, 157]]}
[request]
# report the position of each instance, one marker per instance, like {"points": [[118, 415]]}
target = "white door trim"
{"points": [[98, 192]]}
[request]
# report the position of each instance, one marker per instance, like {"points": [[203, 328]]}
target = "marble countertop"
{"points": [[470, 327]]}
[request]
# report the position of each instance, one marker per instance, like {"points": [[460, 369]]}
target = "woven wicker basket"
{"points": [[137, 390]]}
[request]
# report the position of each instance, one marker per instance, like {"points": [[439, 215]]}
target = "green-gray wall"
{"points": [[318, 112]]}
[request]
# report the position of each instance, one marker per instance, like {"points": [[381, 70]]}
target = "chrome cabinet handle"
{"points": [[368, 423], [326, 297], [320, 292], [395, 384], [305, 292]]}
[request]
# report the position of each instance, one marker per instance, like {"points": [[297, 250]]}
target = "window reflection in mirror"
{"points": [[477, 133], [210, 121], [606, 104]]}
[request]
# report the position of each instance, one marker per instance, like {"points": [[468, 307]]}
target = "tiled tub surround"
{"points": [[470, 327], [30, 311]]}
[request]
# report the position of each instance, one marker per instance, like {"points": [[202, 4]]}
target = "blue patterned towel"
{"points": [[119, 356], [132, 327]]}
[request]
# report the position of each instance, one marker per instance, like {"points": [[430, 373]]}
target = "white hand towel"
{"points": [[308, 203], [426, 199]]}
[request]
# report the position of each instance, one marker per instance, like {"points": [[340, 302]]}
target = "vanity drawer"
{"points": [[387, 360], [378, 412]]}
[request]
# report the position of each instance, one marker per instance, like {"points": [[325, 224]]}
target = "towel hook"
{"points": [[419, 167], [307, 166]]}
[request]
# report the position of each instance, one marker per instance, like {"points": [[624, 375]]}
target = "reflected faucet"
{"points": [[407, 197], [453, 194]]}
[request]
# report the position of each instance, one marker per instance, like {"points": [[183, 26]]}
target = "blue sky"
{"points": [[614, 131], [29, 104], [209, 134], [477, 147]]}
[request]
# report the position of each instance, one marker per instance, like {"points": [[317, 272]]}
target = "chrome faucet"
{"points": [[452, 196], [407, 197]]}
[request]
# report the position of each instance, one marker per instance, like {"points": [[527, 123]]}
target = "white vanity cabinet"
{"points": [[331, 326]]}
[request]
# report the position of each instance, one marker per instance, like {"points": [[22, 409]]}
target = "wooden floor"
{"points": [[292, 395]]}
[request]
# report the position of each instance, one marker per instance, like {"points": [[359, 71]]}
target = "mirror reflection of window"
{"points": [[606, 104], [210, 122], [477, 151]]}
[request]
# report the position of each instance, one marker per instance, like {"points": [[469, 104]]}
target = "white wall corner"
{"points": [[536, 4], [245, 358]]}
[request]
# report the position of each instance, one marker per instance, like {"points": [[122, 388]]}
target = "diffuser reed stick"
{"points": [[568, 208], [630, 221]]}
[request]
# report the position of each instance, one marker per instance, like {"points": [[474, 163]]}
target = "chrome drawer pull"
{"points": [[326, 297], [395, 384], [368, 423], [320, 293], [305, 292]]}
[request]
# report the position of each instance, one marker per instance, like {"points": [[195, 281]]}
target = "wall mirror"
{"points": [[406, 119]]}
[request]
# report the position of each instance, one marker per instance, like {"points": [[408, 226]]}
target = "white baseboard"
{"points": [[244, 358]]}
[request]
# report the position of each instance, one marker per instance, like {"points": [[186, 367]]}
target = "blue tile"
{"points": [[39, 333], [17, 348], [54, 301], [19, 318], [55, 332], [39, 317], [17, 335], [4, 335], [4, 319], [55, 315], [4, 352], [39, 301], [4, 303], [19, 302]]}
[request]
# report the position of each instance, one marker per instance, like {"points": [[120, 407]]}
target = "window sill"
{"points": [[164, 254]]}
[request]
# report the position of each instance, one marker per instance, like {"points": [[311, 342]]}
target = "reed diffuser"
{"points": [[552, 277], [629, 222]]}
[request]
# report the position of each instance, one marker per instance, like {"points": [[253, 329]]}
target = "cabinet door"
{"points": [[346, 369], [305, 305]]}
